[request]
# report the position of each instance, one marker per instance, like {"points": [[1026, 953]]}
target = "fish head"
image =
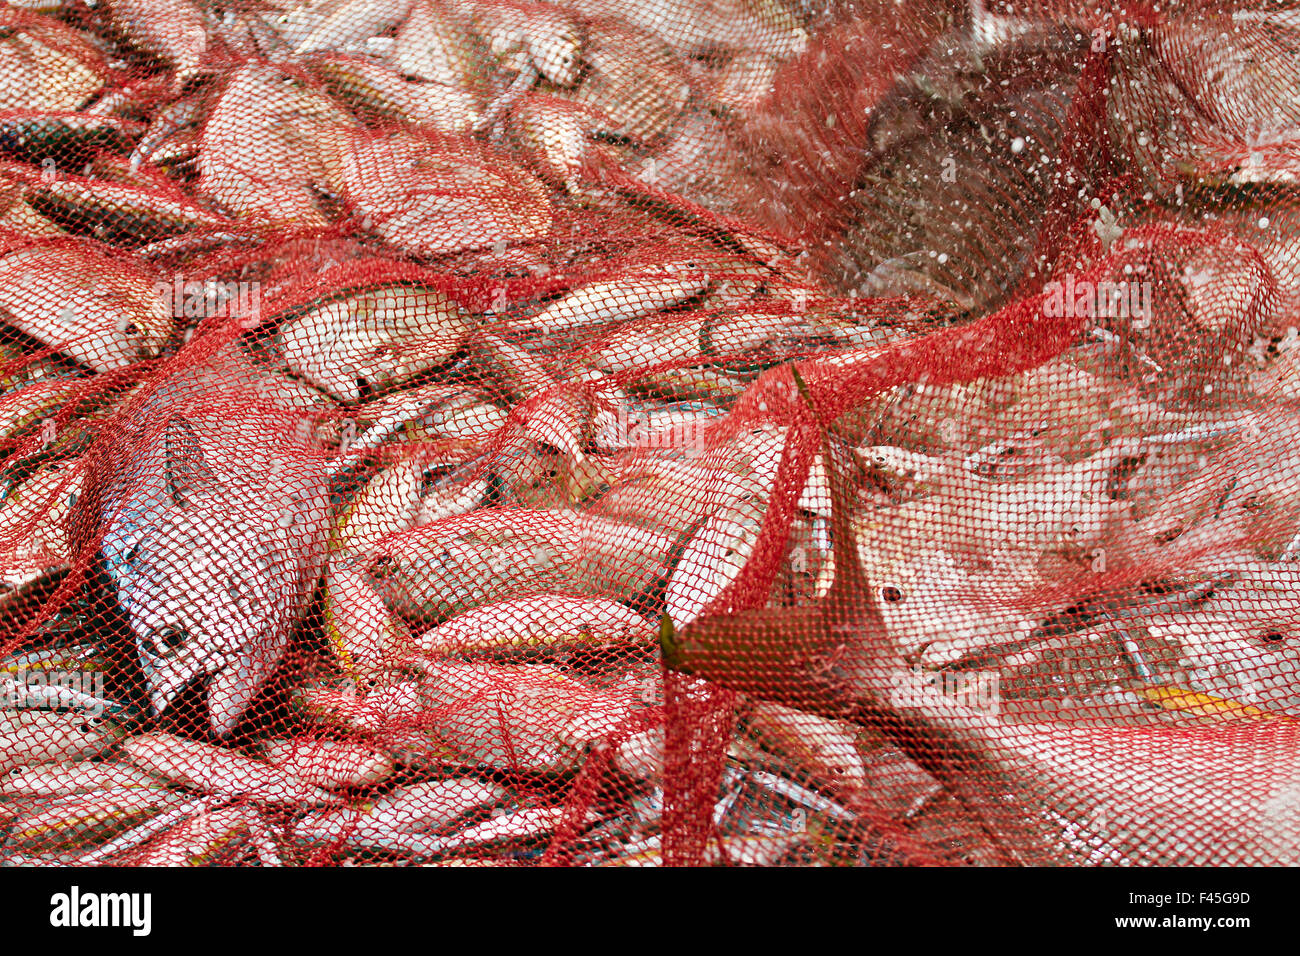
{"points": [[209, 594], [138, 333]]}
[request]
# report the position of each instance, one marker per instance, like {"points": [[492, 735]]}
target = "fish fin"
{"points": [[185, 465], [850, 579]]}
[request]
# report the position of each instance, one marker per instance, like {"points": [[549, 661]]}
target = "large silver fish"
{"points": [[215, 520]]}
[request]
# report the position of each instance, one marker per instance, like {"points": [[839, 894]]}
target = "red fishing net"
{"points": [[596, 432]]}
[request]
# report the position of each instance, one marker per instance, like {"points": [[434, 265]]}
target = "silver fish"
{"points": [[215, 529]]}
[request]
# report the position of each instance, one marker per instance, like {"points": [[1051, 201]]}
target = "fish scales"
{"points": [[214, 521]]}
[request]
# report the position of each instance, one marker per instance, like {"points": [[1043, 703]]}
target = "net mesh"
{"points": [[695, 432]]}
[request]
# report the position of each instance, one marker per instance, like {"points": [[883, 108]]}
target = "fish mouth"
{"points": [[232, 689], [168, 677]]}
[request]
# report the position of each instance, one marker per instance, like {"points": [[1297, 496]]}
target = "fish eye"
{"points": [[165, 641], [891, 594], [1272, 637]]}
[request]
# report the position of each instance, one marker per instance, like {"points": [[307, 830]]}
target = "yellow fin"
{"points": [[1196, 704]]}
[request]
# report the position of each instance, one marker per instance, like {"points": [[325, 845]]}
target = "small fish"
{"points": [[271, 146], [634, 82], [435, 44], [174, 30], [455, 564], [537, 623], [388, 707], [431, 197], [769, 27], [371, 339], [1046, 793], [62, 779], [216, 770], [554, 133], [26, 406], [420, 488], [121, 212], [331, 764], [532, 35], [372, 88], [34, 543], [523, 719], [98, 309], [633, 293], [48, 736], [190, 835], [714, 558], [82, 818], [352, 22], [641, 756], [461, 415], [47, 64], [826, 750], [430, 807], [365, 635]]}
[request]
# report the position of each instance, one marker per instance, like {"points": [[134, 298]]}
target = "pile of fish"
{"points": [[390, 390]]}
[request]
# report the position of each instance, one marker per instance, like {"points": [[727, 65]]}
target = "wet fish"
{"points": [[96, 308], [435, 44], [430, 807], [61, 779], [372, 88], [531, 36], [536, 623], [435, 197], [455, 564], [331, 764], [189, 835], [47, 64], [695, 28], [524, 719], [352, 22], [48, 736], [272, 146], [217, 770], [371, 339], [635, 84], [81, 818], [174, 30], [215, 530]]}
